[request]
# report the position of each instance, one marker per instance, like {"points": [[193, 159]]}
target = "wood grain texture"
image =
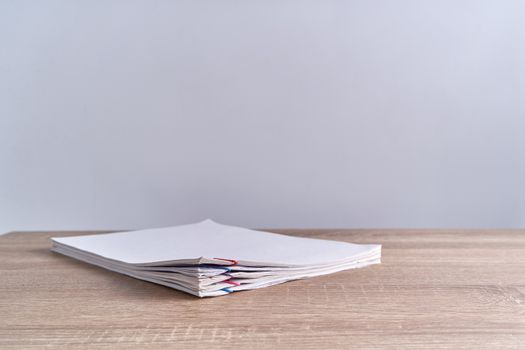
{"points": [[436, 289]]}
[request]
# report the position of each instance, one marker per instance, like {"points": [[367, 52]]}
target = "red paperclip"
{"points": [[231, 282], [234, 262]]}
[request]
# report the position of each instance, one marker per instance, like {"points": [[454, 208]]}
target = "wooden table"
{"points": [[436, 289]]}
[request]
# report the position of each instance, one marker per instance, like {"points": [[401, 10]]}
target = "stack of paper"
{"points": [[209, 259]]}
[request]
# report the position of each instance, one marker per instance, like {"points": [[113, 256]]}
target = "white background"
{"points": [[285, 113]]}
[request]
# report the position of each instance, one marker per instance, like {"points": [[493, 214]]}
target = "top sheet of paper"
{"points": [[211, 240]]}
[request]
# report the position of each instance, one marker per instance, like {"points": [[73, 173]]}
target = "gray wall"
{"points": [[291, 113]]}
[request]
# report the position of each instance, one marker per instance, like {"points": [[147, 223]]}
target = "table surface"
{"points": [[437, 289]]}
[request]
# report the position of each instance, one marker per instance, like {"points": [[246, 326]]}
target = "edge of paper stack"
{"points": [[209, 259]]}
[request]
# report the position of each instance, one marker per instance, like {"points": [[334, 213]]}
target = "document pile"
{"points": [[209, 259]]}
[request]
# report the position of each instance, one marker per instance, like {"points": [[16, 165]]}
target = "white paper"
{"points": [[211, 240], [210, 259]]}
